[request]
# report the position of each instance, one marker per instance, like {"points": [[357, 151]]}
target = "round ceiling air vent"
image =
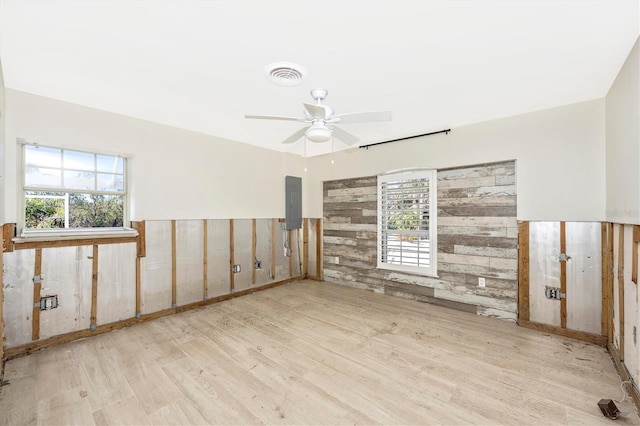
{"points": [[285, 73]]}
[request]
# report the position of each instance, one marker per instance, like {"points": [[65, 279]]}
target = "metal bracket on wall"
{"points": [[562, 257], [37, 279]]}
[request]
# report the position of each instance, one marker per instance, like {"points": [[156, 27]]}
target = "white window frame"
{"points": [[431, 175], [63, 233]]}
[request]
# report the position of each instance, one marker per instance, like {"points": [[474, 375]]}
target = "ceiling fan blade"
{"points": [[275, 117], [294, 137], [316, 111], [363, 117], [345, 136]]}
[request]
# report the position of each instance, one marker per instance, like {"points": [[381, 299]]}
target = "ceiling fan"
{"points": [[323, 121]]}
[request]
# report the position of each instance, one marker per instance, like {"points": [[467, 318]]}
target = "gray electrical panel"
{"points": [[293, 200]]}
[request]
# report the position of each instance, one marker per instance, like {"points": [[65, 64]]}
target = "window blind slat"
{"points": [[404, 220]]}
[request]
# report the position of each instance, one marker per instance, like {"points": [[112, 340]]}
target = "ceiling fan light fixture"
{"points": [[285, 73], [318, 133]]}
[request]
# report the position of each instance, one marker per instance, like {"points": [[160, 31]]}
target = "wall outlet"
{"points": [[48, 302], [481, 282]]}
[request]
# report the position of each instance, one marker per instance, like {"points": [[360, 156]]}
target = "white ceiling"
{"points": [[199, 65]]}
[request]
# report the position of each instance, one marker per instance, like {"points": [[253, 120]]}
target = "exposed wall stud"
{"points": [[634, 253], [305, 248], [523, 271], [254, 243], [37, 286], [290, 240], [563, 275], [610, 326], [205, 261], [73, 242], [621, 288], [174, 267], [604, 244], [138, 288], [319, 273], [141, 239], [141, 251], [273, 248], [232, 256], [94, 289], [8, 232]]}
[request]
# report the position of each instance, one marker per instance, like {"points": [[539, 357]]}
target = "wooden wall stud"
{"points": [[523, 271], [94, 289], [37, 287]]}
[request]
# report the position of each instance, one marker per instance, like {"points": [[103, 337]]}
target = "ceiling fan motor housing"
{"points": [[318, 132]]}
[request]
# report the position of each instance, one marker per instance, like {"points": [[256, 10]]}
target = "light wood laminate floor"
{"points": [[314, 353]]}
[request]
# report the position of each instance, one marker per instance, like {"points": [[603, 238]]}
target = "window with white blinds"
{"points": [[407, 221]]}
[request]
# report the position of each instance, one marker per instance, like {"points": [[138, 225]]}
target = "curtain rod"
{"points": [[446, 132]]}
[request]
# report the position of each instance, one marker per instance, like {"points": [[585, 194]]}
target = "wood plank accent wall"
{"points": [[477, 237]]}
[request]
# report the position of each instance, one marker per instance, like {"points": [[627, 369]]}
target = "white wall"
{"points": [[2, 143], [623, 143], [175, 173], [560, 164]]}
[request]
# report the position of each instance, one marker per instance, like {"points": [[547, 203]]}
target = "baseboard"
{"points": [[574, 334]]}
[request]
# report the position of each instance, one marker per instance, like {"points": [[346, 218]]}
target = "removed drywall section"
{"points": [[18, 296], [584, 276], [477, 238], [66, 273], [631, 323], [242, 242], [544, 271], [189, 261], [572, 271], [98, 281], [156, 267], [116, 282], [286, 250], [218, 263], [263, 251]]}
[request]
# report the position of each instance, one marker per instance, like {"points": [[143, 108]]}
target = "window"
{"points": [[65, 189], [407, 222]]}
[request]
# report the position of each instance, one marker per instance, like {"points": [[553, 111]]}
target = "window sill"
{"points": [[74, 237], [409, 270]]}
